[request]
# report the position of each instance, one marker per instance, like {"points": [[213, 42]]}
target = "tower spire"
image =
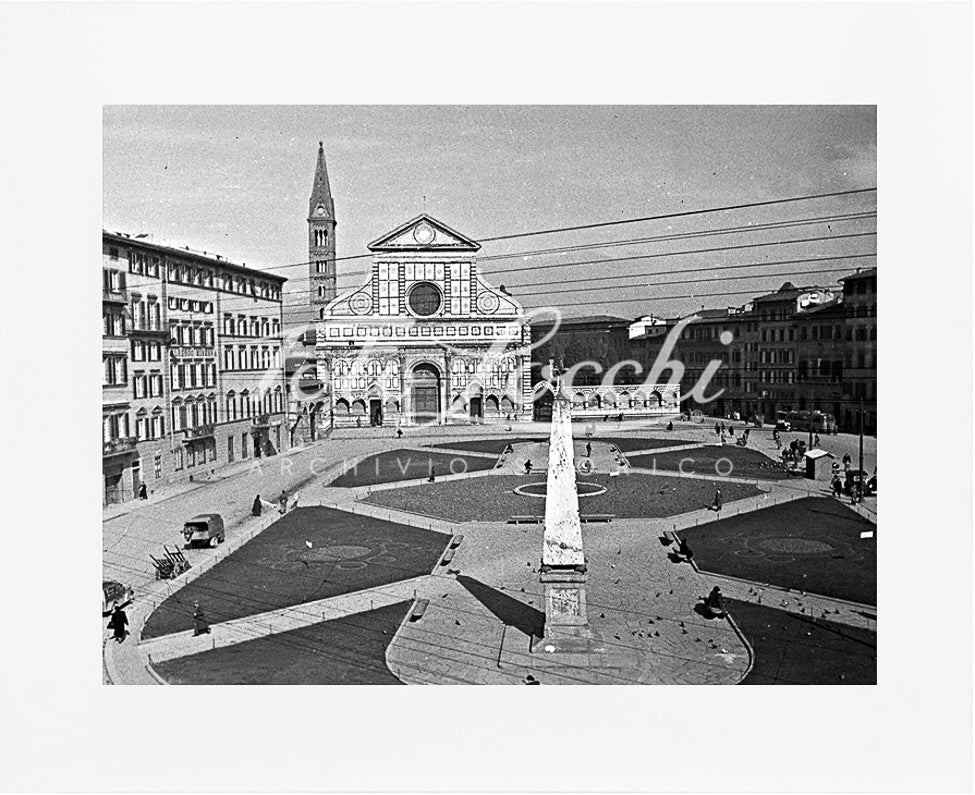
{"points": [[321, 193], [321, 238]]}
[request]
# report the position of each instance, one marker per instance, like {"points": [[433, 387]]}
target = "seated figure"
{"points": [[712, 603]]}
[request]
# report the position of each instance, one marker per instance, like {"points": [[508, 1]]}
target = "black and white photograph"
{"points": [[465, 346], [505, 395]]}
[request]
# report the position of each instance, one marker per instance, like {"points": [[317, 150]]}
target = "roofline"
{"points": [[375, 244], [861, 275], [220, 263]]}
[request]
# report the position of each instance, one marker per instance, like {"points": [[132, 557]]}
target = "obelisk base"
{"points": [[567, 628]]}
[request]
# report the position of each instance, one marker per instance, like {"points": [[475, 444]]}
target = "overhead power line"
{"points": [[557, 230]]}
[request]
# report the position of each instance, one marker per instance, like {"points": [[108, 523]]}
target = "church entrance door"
{"points": [[477, 409], [426, 394], [375, 412]]}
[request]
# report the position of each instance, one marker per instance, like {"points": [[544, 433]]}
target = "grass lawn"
{"points": [[277, 569], [492, 499], [810, 545], [745, 463], [407, 465], [624, 443], [495, 444], [629, 444], [796, 650], [346, 651]]}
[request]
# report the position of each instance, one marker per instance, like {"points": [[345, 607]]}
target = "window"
{"points": [[114, 370], [139, 384], [425, 299]]}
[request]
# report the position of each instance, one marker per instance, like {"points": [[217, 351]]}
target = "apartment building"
{"points": [[193, 377]]}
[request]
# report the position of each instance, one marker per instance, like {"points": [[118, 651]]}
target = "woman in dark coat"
{"points": [[117, 623], [257, 508]]}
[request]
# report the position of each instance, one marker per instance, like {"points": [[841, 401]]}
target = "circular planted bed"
{"points": [[540, 489]]}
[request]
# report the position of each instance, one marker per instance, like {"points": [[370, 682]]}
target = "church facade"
{"points": [[424, 338]]}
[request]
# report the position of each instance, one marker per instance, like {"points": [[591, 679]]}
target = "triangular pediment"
{"points": [[423, 233]]}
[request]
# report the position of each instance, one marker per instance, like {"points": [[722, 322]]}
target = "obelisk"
{"points": [[563, 569]]}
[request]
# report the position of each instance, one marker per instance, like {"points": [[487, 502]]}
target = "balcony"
{"points": [[146, 331], [124, 445], [115, 297], [199, 432]]}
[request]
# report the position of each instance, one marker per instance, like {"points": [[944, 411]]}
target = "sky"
{"points": [[235, 180]]}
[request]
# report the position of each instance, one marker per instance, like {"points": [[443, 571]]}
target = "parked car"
{"points": [[114, 594], [207, 528]]}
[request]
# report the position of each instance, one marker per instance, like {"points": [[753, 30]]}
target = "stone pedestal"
{"points": [[566, 624]]}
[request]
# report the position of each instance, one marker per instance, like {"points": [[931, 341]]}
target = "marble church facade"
{"points": [[425, 338]]}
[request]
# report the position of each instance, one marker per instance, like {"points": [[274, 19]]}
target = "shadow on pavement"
{"points": [[507, 609]]}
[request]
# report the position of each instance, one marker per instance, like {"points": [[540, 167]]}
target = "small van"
{"points": [[207, 528]]}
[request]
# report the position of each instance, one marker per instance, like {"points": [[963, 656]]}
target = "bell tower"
{"points": [[321, 239]]}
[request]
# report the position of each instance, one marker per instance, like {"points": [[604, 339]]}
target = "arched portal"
{"points": [[425, 393]]}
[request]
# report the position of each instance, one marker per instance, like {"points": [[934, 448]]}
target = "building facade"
{"points": [[425, 338], [575, 345], [193, 375], [795, 349]]}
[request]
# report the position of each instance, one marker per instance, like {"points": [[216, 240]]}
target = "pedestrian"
{"points": [[200, 624], [588, 449], [528, 467], [399, 433], [621, 416], [117, 623], [283, 501], [816, 440], [837, 486], [713, 602], [670, 426], [433, 475], [847, 462], [258, 507], [731, 429], [718, 500], [717, 429], [143, 492]]}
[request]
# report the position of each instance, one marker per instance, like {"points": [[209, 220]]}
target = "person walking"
{"points": [[837, 486], [718, 501], [588, 449], [283, 502], [258, 507], [670, 426], [847, 462], [816, 440], [118, 623], [528, 467], [433, 475], [143, 492], [200, 624]]}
